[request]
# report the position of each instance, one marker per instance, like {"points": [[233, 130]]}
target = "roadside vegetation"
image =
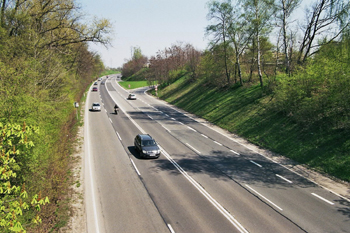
{"points": [[289, 97], [133, 84], [45, 66]]}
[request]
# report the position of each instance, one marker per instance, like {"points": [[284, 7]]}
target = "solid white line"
{"points": [[137, 170], [171, 229], [255, 163], [200, 188], [218, 143], [91, 172], [219, 207], [204, 135], [323, 199], [118, 135], [234, 152], [284, 179], [264, 198], [337, 194], [193, 148], [192, 129], [110, 120], [165, 128]]}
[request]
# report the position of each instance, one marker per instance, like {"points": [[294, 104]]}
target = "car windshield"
{"points": [[95, 104], [148, 143]]}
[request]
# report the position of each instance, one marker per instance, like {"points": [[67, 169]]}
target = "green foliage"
{"points": [[45, 66], [318, 94], [14, 145], [306, 118]]}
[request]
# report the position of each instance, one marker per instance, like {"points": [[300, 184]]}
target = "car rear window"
{"points": [[148, 143]]}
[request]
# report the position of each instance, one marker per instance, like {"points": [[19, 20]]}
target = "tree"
{"points": [[327, 18], [136, 63], [14, 144], [240, 36], [258, 13], [284, 9], [221, 14], [193, 57]]}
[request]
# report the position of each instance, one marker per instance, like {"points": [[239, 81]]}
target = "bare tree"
{"points": [[326, 18], [258, 13], [239, 35], [284, 9], [221, 14]]}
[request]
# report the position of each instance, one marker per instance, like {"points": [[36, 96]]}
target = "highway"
{"points": [[204, 181]]}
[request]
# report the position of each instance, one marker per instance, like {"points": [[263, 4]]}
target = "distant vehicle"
{"points": [[95, 83], [99, 79], [146, 146], [96, 106], [132, 97], [94, 89]]}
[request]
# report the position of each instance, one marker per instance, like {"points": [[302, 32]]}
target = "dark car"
{"points": [[94, 89], [147, 146]]}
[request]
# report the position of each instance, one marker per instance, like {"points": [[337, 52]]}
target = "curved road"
{"points": [[204, 181]]}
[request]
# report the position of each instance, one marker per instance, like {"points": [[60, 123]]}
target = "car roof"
{"points": [[96, 103], [145, 137]]}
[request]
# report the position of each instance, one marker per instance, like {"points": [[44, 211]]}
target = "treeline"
{"points": [[45, 66], [305, 70], [300, 63]]}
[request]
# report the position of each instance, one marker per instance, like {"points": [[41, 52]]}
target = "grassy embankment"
{"points": [[246, 111], [134, 84]]}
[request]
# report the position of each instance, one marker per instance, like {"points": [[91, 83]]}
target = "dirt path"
{"points": [[77, 221]]}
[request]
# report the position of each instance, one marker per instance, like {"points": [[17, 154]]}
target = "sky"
{"points": [[151, 25]]}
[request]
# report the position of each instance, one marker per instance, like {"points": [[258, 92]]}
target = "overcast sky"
{"points": [[151, 25]]}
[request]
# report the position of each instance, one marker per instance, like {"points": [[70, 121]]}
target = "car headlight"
{"points": [[143, 151]]}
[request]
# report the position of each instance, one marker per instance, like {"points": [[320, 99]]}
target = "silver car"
{"points": [[96, 106], [132, 97]]}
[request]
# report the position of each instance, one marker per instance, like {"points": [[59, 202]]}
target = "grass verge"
{"points": [[248, 112], [133, 84]]}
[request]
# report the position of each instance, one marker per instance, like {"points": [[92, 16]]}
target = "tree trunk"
{"points": [[2, 18], [259, 60]]}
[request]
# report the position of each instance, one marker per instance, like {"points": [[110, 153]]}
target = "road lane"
{"points": [[245, 172], [120, 200], [178, 201], [259, 219]]}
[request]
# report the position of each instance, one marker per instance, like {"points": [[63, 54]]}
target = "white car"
{"points": [[132, 97], [99, 79], [96, 106]]}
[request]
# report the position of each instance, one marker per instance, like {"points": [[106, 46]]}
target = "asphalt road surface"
{"points": [[203, 181]]}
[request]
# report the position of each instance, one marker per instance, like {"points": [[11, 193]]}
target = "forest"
{"points": [[45, 66], [279, 81]]}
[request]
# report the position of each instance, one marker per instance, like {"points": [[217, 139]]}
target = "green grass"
{"points": [[133, 84], [109, 72], [247, 111]]}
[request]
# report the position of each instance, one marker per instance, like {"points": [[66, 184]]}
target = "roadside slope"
{"points": [[249, 113]]}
